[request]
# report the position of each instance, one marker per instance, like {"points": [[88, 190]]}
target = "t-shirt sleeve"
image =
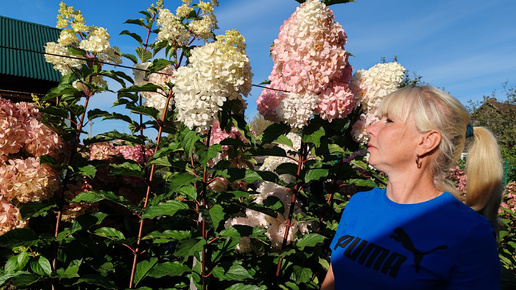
{"points": [[477, 264]]}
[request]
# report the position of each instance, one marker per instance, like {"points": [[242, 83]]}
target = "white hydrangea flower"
{"points": [[296, 109], [67, 37], [97, 40], [204, 26], [217, 72], [171, 29], [61, 64], [370, 86]]}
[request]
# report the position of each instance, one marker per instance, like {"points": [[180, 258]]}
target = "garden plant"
{"points": [[208, 203]]}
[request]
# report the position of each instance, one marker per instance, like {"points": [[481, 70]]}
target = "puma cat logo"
{"points": [[401, 236]]}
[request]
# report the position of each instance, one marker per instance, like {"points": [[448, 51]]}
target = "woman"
{"points": [[416, 233]]}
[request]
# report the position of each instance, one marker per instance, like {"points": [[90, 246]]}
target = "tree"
{"points": [[498, 114]]}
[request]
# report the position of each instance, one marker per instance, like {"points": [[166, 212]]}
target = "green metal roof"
{"points": [[30, 36]]}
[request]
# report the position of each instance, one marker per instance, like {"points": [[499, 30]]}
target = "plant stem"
{"points": [[136, 251], [204, 203], [301, 159]]}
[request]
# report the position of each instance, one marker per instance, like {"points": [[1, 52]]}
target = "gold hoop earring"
{"points": [[419, 161]]}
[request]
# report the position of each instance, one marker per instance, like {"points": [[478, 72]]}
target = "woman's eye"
{"points": [[388, 120]]}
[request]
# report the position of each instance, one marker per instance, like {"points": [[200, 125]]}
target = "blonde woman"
{"points": [[417, 233]]}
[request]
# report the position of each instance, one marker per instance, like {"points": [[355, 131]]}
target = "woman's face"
{"points": [[392, 144]]}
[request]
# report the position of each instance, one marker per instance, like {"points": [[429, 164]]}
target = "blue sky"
{"points": [[466, 47]]}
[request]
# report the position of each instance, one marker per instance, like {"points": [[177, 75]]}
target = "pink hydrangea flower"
{"points": [[27, 180], [136, 153], [309, 60], [13, 130], [103, 151], [10, 217]]}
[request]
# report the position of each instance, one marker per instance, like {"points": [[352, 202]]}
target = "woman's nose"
{"points": [[371, 129]]}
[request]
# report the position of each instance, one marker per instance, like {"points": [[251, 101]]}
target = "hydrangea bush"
{"points": [[195, 207]]}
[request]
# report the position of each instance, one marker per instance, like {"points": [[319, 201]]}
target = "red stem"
{"points": [[136, 251], [301, 159]]}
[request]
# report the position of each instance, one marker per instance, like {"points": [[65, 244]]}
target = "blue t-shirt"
{"points": [[438, 244]]}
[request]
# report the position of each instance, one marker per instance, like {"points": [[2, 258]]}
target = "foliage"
{"points": [[496, 113], [507, 238], [192, 208]]}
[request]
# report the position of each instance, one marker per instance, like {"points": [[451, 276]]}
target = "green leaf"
{"points": [[135, 21], [142, 268], [168, 208], [41, 266], [168, 235], [133, 35], [56, 111], [71, 271], [217, 215], [98, 195], [315, 174], [310, 240], [131, 57], [274, 130], [179, 180], [234, 273], [22, 280], [287, 168], [189, 140], [110, 233], [170, 269], [314, 136], [284, 140], [241, 286], [302, 274], [207, 155], [88, 171], [92, 279], [143, 54], [35, 209], [127, 169], [189, 247], [18, 237]]}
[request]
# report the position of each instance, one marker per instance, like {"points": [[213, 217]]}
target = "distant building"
{"points": [[497, 112], [23, 69]]}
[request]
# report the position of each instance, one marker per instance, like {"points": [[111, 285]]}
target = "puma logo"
{"points": [[401, 236]]}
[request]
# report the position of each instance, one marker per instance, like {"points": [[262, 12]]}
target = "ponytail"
{"points": [[484, 173]]}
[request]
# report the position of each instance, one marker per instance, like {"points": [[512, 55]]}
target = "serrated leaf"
{"points": [[142, 268], [135, 21], [88, 171], [133, 35], [170, 269], [188, 141], [287, 168], [18, 237], [241, 286], [168, 208], [41, 266], [273, 131], [310, 240], [98, 195], [302, 274], [127, 169], [234, 273], [143, 54], [168, 234], [284, 140], [217, 215], [35, 209], [315, 174], [110, 233]]}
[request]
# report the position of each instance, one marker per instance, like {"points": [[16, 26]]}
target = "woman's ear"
{"points": [[429, 141]]}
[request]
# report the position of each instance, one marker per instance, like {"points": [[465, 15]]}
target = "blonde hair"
{"points": [[433, 109]]}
